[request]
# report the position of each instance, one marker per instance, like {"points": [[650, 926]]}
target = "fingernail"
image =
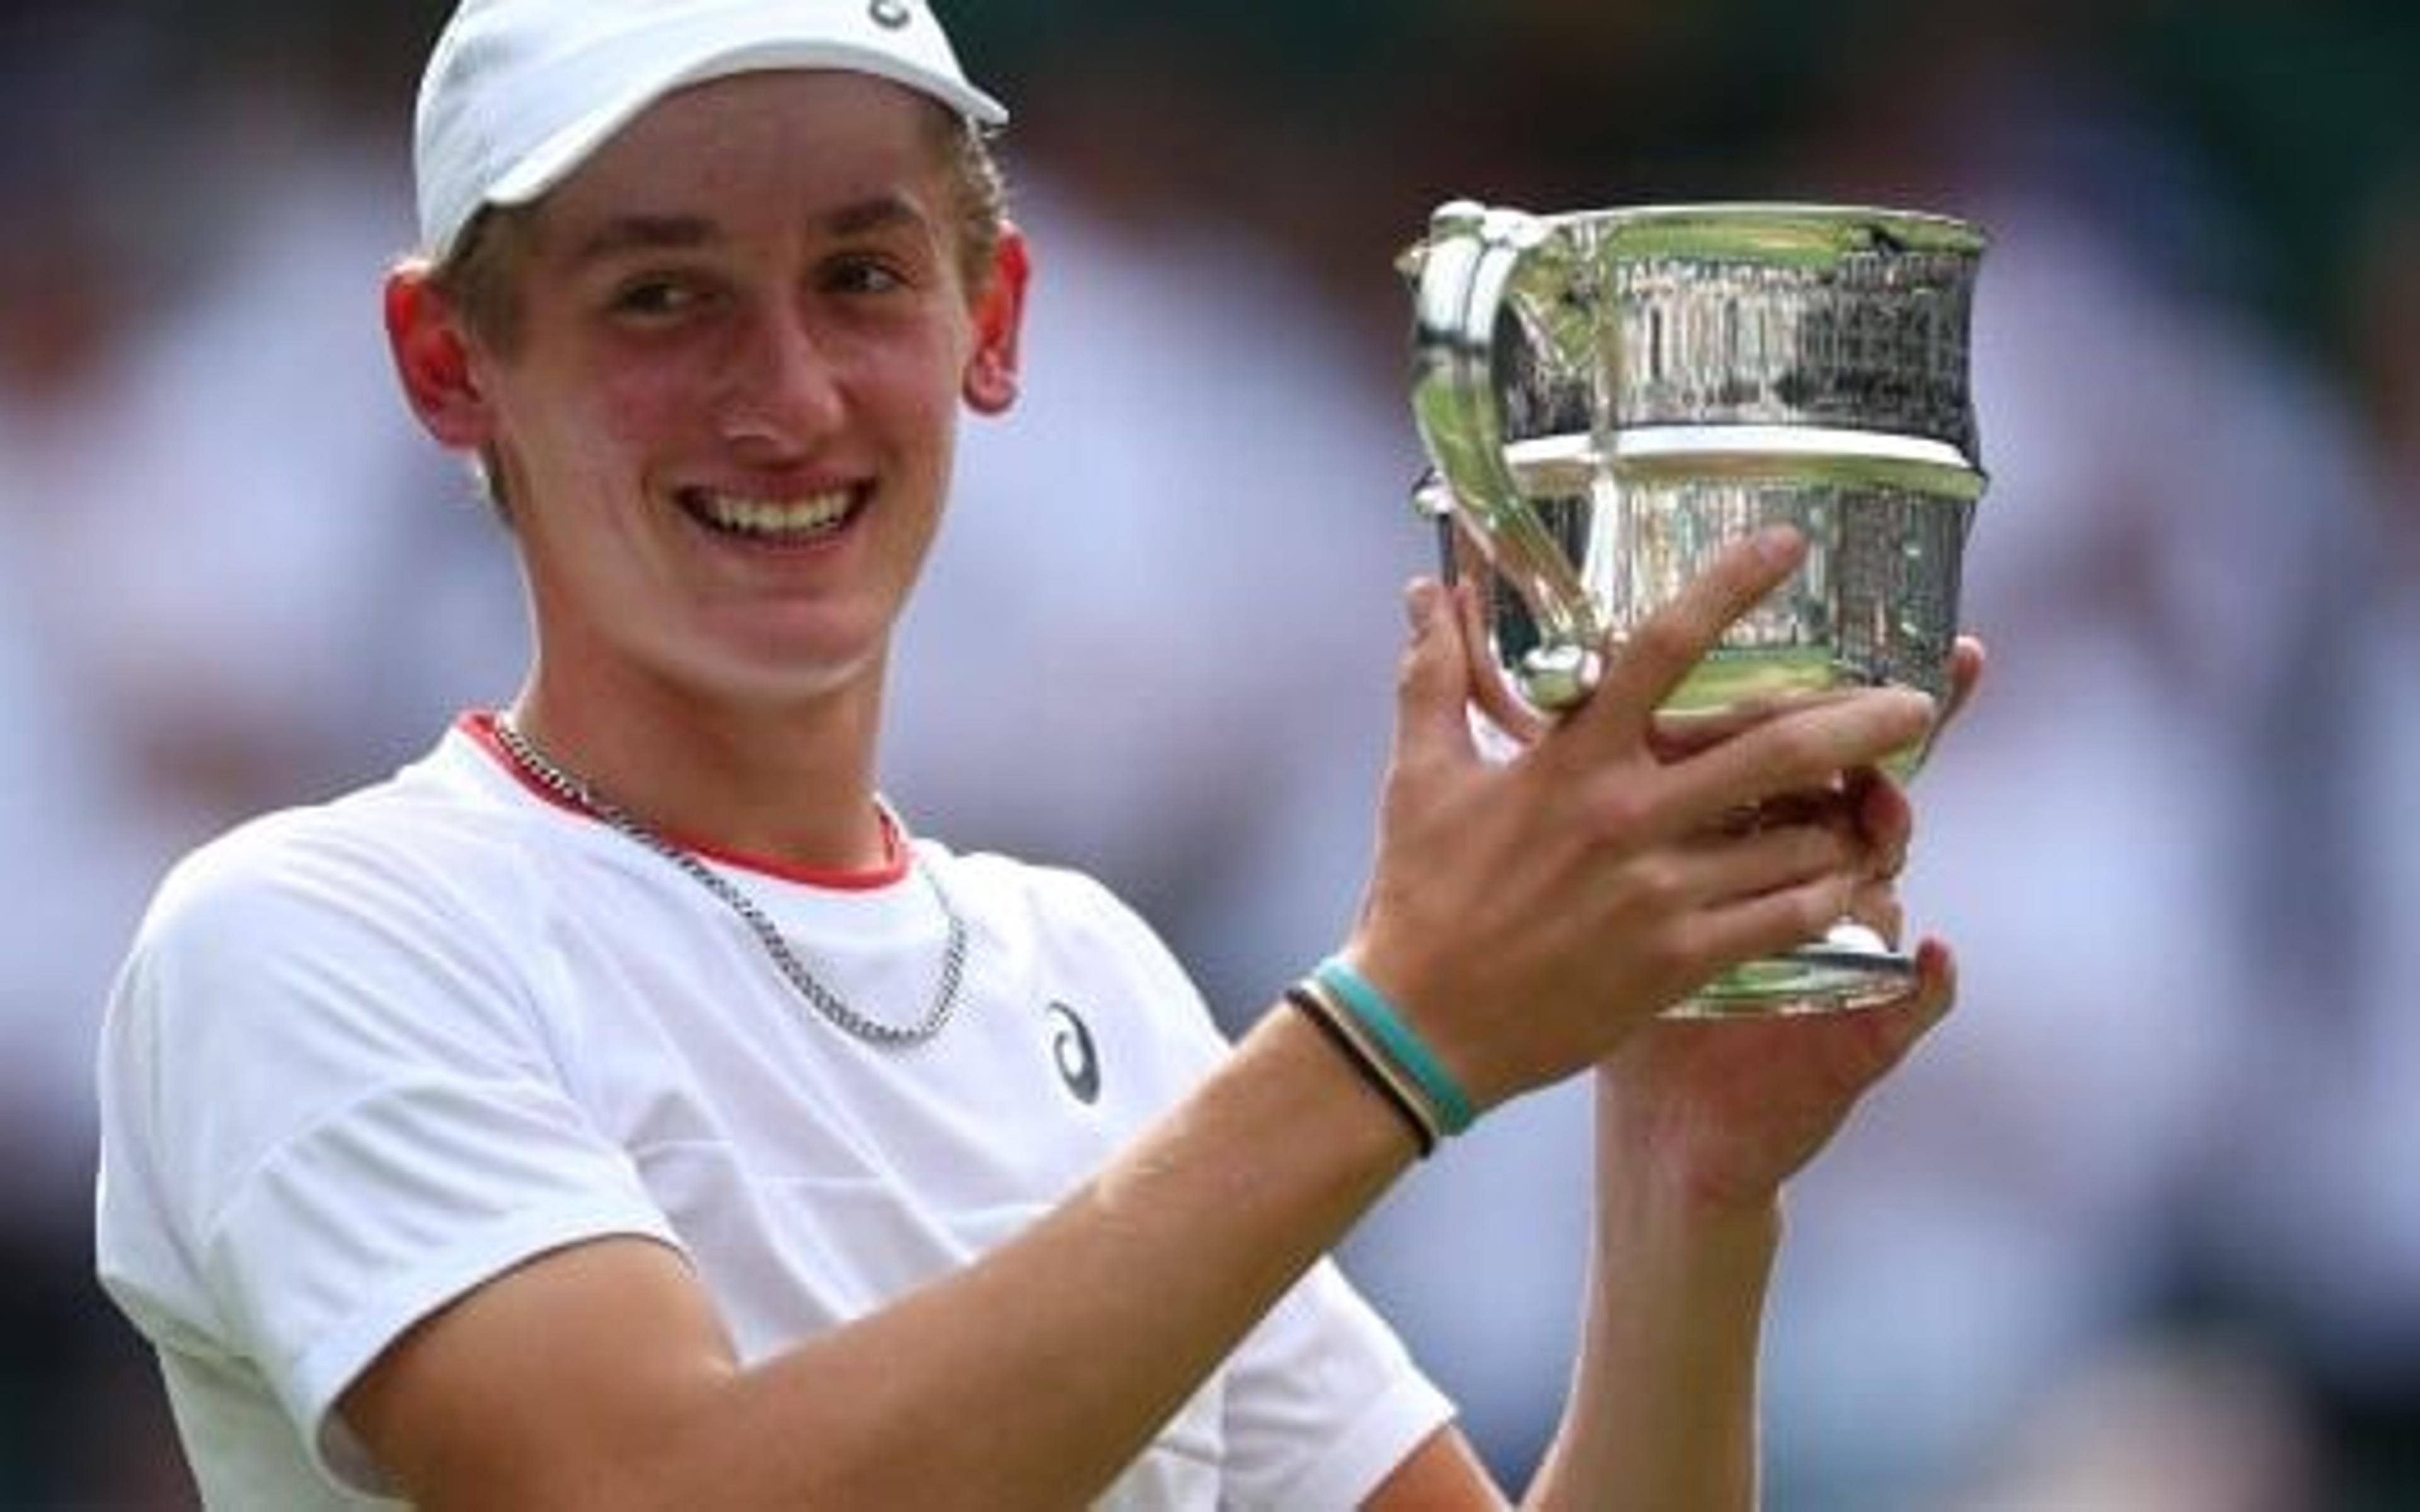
{"points": [[1778, 543], [1420, 599]]}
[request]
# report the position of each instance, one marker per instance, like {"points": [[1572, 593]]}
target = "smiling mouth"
{"points": [[786, 521]]}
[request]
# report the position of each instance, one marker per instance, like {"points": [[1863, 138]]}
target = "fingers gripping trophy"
{"points": [[1610, 397]]}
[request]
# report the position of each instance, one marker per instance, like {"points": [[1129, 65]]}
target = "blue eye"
{"points": [[864, 275], [656, 297]]}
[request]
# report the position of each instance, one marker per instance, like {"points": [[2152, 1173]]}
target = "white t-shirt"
{"points": [[367, 1054]]}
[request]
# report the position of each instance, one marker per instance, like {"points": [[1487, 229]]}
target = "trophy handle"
{"points": [[1463, 272]]}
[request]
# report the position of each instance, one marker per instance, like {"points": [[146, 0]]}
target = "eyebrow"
{"points": [[660, 233], [642, 233], [880, 213]]}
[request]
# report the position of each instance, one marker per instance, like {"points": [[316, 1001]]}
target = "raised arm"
{"points": [[1700, 1124]]}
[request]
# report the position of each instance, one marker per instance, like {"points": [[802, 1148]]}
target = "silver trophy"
{"points": [[1610, 397]]}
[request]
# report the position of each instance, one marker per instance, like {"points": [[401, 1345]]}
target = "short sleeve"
{"points": [[1323, 1402], [329, 1106]]}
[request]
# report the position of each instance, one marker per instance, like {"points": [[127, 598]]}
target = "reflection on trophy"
{"points": [[1610, 397]]}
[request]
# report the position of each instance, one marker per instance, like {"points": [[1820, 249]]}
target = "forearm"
{"points": [[1663, 1408], [1033, 1377]]}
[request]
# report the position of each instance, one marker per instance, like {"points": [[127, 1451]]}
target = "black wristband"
{"points": [[1363, 1061]]}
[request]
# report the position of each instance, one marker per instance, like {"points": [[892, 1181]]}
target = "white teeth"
{"points": [[810, 516]]}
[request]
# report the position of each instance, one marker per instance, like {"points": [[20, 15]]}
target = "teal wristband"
{"points": [[1370, 1009]]}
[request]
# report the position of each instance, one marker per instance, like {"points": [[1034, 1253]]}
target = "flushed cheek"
{"points": [[648, 409], [583, 480], [921, 402]]}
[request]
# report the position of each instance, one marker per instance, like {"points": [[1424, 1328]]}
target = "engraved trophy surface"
{"points": [[1610, 397]]}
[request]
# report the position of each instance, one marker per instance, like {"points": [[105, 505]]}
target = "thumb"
{"points": [[1432, 683]]}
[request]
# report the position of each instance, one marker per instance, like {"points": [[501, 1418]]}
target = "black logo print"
{"points": [[1080, 1062], [891, 14]]}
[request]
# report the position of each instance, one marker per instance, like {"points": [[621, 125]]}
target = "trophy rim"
{"points": [[1772, 229]]}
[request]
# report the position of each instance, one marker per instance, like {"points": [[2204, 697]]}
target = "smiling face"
{"points": [[727, 412]]}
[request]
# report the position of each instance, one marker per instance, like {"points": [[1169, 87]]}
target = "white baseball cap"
{"points": [[519, 93]]}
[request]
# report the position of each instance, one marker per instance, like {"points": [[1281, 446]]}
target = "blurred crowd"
{"points": [[2137, 1232]]}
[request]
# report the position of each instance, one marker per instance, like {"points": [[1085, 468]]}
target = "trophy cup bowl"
{"points": [[1610, 397]]}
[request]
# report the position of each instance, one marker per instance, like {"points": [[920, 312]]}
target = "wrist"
{"points": [[1381, 1027], [1670, 1176], [1368, 1063], [1336, 1102]]}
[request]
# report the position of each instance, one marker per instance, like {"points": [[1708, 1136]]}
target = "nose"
{"points": [[782, 390]]}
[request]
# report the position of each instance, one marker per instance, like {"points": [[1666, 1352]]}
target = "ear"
{"points": [[432, 357], [990, 382]]}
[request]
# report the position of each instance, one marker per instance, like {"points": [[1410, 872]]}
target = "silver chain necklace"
{"points": [[576, 790]]}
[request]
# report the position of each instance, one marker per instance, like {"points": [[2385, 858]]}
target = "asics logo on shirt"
{"points": [[1080, 1062]]}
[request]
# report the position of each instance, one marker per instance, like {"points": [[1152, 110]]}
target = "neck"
{"points": [[790, 785]]}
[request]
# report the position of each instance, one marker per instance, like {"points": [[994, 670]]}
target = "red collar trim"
{"points": [[480, 725]]}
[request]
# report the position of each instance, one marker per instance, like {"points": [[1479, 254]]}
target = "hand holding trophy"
{"points": [[1610, 397]]}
